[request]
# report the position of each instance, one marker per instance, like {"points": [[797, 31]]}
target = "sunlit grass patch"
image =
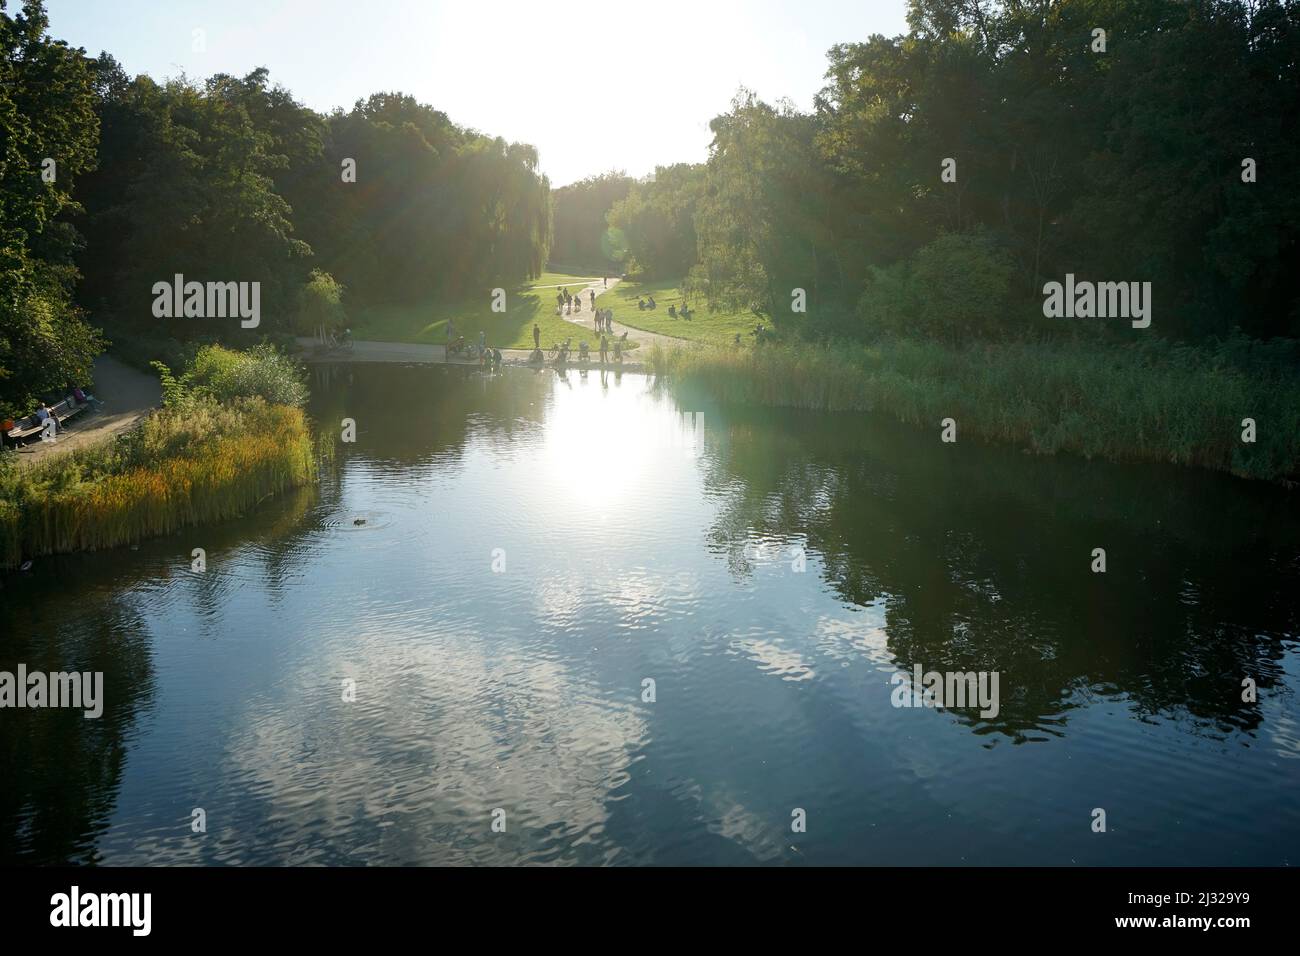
{"points": [[426, 323], [711, 328]]}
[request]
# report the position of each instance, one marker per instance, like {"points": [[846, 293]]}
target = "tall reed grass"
{"points": [[1154, 402], [187, 464]]}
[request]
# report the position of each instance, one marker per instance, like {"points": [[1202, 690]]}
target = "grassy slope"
{"points": [[512, 329], [710, 328]]}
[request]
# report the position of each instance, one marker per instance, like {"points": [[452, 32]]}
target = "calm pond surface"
{"points": [[641, 543]]}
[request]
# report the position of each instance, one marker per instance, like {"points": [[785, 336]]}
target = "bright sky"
{"points": [[593, 84]]}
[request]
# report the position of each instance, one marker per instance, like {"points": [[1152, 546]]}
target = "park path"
{"points": [[128, 396], [585, 318], [368, 351]]}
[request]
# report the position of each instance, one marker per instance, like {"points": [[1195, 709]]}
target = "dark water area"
{"points": [[532, 550]]}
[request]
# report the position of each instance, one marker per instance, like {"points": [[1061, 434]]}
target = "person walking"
{"points": [[604, 349], [537, 336]]}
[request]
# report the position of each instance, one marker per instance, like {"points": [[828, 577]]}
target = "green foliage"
{"points": [[437, 210], [173, 389], [760, 218], [1123, 166], [956, 287], [46, 101], [657, 220], [320, 305], [232, 180], [582, 240], [224, 375], [45, 346], [188, 185]]}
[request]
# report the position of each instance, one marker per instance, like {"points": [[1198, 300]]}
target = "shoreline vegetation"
{"points": [[230, 434], [1155, 402]]}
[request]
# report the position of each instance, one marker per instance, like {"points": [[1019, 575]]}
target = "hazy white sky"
{"points": [[593, 84]]}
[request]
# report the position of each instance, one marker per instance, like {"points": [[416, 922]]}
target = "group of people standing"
{"points": [[566, 303]]}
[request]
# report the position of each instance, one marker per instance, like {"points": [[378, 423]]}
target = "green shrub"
{"points": [[45, 345], [225, 375], [320, 306], [958, 287]]}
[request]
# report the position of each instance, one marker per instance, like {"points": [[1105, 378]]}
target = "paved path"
{"points": [[587, 320], [128, 396]]}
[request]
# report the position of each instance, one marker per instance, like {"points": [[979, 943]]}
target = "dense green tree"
{"points": [[955, 288], [48, 134], [320, 306], [764, 219], [1121, 164], [583, 239], [434, 209], [233, 180], [657, 220]]}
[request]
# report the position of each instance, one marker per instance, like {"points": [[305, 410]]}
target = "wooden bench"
{"points": [[31, 425]]}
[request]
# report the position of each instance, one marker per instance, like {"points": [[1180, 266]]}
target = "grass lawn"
{"points": [[547, 279], [513, 329], [712, 328]]}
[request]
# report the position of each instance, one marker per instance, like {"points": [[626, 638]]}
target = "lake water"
{"points": [[534, 549]]}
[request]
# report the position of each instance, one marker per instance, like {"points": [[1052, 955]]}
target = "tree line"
{"points": [[945, 175], [111, 183]]}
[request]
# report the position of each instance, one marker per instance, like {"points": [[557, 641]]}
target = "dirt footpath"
{"points": [[128, 396]]}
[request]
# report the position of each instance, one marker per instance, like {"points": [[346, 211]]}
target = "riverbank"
{"points": [[413, 353], [1234, 408]]}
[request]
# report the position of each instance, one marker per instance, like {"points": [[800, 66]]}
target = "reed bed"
{"points": [[1154, 402], [193, 462]]}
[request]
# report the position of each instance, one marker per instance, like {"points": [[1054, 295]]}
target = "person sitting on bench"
{"points": [[43, 414]]}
